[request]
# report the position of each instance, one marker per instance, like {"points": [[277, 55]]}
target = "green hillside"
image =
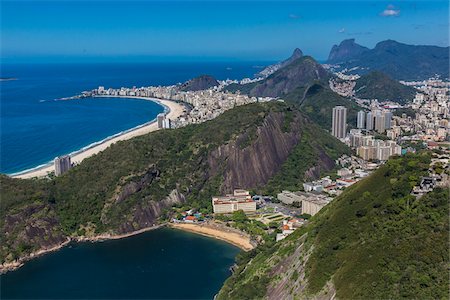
{"points": [[317, 103], [133, 183], [377, 85], [375, 241]]}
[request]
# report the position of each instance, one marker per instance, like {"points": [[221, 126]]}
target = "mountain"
{"points": [[317, 102], [273, 68], [374, 241], [133, 184], [202, 82], [398, 60], [300, 72], [377, 85], [346, 51]]}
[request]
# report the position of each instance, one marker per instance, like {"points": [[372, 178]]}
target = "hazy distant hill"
{"points": [[346, 51], [297, 53], [400, 61], [377, 85], [202, 82], [374, 241], [300, 72]]}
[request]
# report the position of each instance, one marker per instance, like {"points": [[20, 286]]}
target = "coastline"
{"points": [[172, 110], [212, 230], [6, 267], [218, 232]]}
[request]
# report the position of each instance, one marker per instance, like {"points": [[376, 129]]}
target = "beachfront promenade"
{"points": [[173, 109]]}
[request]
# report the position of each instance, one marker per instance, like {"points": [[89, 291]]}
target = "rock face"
{"points": [[398, 60], [346, 50], [252, 166], [202, 82], [299, 73], [146, 214], [40, 231]]}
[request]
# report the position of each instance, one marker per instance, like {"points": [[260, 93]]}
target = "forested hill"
{"points": [[377, 85], [132, 184], [375, 241]]}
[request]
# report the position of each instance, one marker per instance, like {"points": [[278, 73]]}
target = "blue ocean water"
{"points": [[159, 264], [35, 128]]}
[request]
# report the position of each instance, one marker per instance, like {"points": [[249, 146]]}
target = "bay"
{"points": [[160, 264]]}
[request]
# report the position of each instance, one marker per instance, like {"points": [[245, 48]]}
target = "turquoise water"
{"points": [[159, 264]]}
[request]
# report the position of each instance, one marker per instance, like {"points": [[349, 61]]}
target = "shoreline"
{"points": [[12, 266], [172, 110], [215, 231], [218, 232]]}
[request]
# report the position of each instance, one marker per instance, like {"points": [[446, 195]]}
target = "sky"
{"points": [[209, 30]]}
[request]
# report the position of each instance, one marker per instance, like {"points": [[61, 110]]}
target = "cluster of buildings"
{"points": [[370, 148], [205, 104], [239, 200], [437, 177], [288, 227], [375, 120]]}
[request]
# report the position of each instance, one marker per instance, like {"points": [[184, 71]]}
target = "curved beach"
{"points": [[173, 111], [225, 234]]}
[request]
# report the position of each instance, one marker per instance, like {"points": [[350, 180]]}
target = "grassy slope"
{"points": [[374, 241]]}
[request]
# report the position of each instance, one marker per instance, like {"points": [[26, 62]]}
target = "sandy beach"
{"points": [[229, 236], [173, 109]]}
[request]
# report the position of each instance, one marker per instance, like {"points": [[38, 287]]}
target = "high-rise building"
{"points": [[339, 122], [167, 124], [369, 121], [388, 119], [62, 165], [160, 118], [361, 119], [380, 122]]}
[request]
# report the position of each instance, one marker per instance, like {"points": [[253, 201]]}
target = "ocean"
{"points": [[160, 264], [34, 128]]}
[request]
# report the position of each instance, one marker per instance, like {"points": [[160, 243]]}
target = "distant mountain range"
{"points": [[377, 85], [400, 61]]}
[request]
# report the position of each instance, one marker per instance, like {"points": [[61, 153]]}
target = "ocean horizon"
{"points": [[36, 128]]}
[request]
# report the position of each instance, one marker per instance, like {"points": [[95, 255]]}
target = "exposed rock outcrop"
{"points": [[255, 164]]}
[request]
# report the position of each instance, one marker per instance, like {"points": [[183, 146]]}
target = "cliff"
{"points": [[133, 184]]}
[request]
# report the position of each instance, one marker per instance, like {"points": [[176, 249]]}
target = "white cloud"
{"points": [[390, 11], [294, 16], [342, 30]]}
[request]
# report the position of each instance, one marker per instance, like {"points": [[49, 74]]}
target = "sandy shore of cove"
{"points": [[219, 232], [173, 110]]}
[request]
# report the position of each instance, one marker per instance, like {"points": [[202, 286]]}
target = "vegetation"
{"points": [[292, 173], [375, 241], [377, 85], [318, 102], [124, 187]]}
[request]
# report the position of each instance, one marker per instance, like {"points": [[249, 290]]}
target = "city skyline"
{"points": [[40, 31]]}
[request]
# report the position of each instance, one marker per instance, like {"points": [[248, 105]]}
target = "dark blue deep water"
{"points": [[35, 128], [160, 264]]}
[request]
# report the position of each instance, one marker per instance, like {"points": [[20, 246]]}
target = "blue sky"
{"points": [[209, 30]]}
